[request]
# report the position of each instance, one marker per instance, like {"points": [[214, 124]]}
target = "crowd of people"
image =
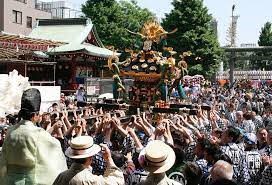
{"points": [[76, 143]]}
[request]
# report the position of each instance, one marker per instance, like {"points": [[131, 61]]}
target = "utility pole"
{"points": [[232, 32]]}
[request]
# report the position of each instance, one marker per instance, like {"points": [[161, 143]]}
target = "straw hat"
{"points": [[82, 147], [157, 157]]}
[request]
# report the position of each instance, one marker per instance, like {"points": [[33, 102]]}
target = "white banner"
{"points": [[49, 95]]}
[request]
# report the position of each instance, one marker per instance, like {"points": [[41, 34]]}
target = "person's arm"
{"points": [[137, 141], [129, 167], [193, 120], [144, 127], [64, 128], [83, 125], [59, 132], [69, 131], [168, 134], [112, 175], [66, 121], [99, 127], [48, 126], [79, 127], [154, 134], [117, 125], [3, 163], [146, 122], [187, 134], [74, 114], [55, 127], [214, 121]]}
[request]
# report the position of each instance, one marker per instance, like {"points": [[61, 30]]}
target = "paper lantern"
{"points": [[60, 66], [66, 67]]}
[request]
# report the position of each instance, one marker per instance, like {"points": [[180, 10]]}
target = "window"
{"points": [[29, 22], [17, 17], [22, 1]]}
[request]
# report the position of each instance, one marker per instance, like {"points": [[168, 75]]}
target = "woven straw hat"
{"points": [[82, 147], [157, 157]]}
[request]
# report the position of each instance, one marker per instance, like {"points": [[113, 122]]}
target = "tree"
{"points": [[265, 39], [112, 18], [194, 34]]}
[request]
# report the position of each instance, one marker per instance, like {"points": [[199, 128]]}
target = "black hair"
{"points": [[192, 173], [118, 158], [214, 151], [54, 104], [67, 102], [180, 155], [226, 158], [255, 109], [80, 161], [224, 182], [54, 116], [136, 161], [203, 143], [234, 133], [244, 105], [12, 118], [27, 115], [247, 115]]}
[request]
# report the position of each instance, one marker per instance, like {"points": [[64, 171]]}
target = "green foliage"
{"points": [[112, 18], [194, 34], [265, 39]]}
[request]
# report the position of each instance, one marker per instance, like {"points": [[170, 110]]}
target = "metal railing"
{"points": [[251, 75], [43, 6], [42, 83]]}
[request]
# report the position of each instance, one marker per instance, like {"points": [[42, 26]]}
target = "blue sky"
{"points": [[252, 15]]}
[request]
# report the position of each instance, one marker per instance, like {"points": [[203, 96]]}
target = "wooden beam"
{"points": [[15, 60], [247, 49]]}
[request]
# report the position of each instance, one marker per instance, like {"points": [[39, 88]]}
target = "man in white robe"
{"points": [[30, 155]]}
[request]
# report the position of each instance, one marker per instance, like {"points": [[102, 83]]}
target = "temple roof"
{"points": [[74, 32], [62, 30], [12, 46], [85, 48]]}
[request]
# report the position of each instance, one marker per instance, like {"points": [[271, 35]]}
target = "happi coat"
{"points": [[79, 175], [30, 156], [158, 179]]}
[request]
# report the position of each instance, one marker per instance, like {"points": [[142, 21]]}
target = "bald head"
{"points": [[221, 170], [239, 115]]}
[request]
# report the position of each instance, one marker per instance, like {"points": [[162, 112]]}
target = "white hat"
{"points": [[157, 157], [82, 147], [250, 138]]}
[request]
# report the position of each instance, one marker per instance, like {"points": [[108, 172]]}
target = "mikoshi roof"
{"points": [[74, 32], [12, 46]]}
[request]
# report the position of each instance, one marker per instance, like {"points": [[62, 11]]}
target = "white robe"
{"points": [[30, 155]]}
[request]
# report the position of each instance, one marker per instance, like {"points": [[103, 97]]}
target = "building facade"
{"points": [[61, 9], [214, 25], [20, 16]]}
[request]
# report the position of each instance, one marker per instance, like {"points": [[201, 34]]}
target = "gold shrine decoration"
{"points": [[152, 31], [142, 75]]}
